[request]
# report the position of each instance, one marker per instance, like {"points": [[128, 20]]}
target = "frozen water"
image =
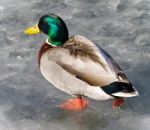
{"points": [[27, 100]]}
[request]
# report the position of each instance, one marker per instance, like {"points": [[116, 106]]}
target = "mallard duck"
{"points": [[79, 67]]}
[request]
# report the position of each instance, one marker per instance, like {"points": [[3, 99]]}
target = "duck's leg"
{"points": [[117, 102], [75, 104]]}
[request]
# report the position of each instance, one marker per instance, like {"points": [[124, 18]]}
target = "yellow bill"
{"points": [[32, 30]]}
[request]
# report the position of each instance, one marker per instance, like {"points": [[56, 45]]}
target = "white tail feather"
{"points": [[123, 94]]}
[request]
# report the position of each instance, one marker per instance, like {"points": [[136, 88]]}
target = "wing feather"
{"points": [[81, 58], [114, 67]]}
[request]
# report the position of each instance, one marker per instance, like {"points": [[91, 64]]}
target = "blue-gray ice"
{"points": [[27, 100]]}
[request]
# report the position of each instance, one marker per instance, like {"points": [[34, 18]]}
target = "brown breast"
{"points": [[43, 49]]}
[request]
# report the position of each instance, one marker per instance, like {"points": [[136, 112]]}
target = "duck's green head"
{"points": [[53, 26]]}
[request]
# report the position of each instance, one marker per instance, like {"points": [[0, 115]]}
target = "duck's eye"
{"points": [[44, 27]]}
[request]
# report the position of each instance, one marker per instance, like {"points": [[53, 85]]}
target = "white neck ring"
{"points": [[50, 43]]}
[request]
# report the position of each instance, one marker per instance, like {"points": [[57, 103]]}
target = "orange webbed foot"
{"points": [[75, 104], [117, 103]]}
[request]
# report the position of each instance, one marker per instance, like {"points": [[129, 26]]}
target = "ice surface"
{"points": [[27, 100]]}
